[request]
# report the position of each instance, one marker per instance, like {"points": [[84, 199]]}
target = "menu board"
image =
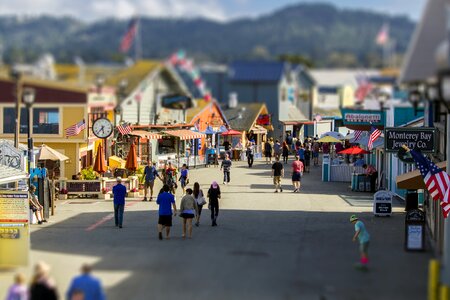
{"points": [[14, 207]]}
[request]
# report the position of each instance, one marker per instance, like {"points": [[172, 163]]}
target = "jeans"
{"points": [[373, 180], [118, 214], [226, 176], [250, 160], [214, 211]]}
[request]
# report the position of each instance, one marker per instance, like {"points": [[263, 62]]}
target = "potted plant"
{"points": [[63, 194], [133, 193], [104, 194]]}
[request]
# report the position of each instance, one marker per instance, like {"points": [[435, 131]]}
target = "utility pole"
{"points": [[16, 76]]}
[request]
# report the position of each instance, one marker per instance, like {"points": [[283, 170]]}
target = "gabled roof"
{"points": [[202, 104], [266, 71], [248, 111]]}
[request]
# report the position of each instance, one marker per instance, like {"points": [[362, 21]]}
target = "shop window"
{"points": [[166, 145], [9, 120], [46, 121]]}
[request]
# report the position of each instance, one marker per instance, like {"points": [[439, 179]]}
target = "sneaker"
{"points": [[40, 222], [276, 191], [224, 182], [120, 226], [145, 199], [160, 236], [295, 191], [44, 221], [151, 198], [281, 190]]}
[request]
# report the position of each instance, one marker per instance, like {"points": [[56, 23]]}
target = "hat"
{"points": [[119, 179], [353, 218], [215, 185]]}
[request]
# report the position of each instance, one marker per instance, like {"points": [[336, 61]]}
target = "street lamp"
{"points": [[28, 99], [118, 111], [415, 97]]}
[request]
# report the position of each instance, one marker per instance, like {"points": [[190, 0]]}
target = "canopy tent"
{"points": [[377, 143], [100, 164], [132, 163], [328, 139], [146, 134], [354, 151], [48, 153], [232, 132]]}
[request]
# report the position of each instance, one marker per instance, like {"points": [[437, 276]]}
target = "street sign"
{"points": [[362, 117], [423, 139]]}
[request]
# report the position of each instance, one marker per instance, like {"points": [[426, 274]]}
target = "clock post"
{"points": [[103, 128]]}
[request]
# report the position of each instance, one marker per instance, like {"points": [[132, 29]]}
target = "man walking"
{"points": [[86, 285], [250, 154], [372, 173], [297, 170], [150, 173], [119, 192], [268, 151], [364, 238], [277, 173], [165, 201], [226, 166], [277, 149]]}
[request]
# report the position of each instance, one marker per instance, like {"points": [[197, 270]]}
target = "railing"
{"points": [[95, 187]]}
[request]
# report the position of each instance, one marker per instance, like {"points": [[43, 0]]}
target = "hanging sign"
{"points": [[263, 120], [362, 117], [420, 138]]}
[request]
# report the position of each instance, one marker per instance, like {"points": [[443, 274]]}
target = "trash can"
{"points": [[411, 200], [415, 230]]}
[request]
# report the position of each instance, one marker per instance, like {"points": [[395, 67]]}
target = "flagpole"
{"points": [[138, 45]]}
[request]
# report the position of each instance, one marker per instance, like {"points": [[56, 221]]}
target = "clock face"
{"points": [[102, 128]]}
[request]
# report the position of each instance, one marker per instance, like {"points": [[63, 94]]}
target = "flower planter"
{"points": [[62, 196], [133, 195], [104, 196]]}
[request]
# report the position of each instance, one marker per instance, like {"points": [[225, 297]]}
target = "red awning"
{"points": [[146, 135], [185, 134]]}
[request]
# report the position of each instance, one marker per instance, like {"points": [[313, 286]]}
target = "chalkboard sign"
{"points": [[423, 139], [382, 203]]}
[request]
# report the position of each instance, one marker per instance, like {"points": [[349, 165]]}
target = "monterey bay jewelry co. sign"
{"points": [[423, 139]]}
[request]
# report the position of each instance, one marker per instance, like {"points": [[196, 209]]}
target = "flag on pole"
{"points": [[357, 135], [374, 135], [75, 129], [124, 128], [364, 87], [129, 36], [383, 35], [436, 180]]}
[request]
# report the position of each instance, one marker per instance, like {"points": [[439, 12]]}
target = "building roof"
{"points": [[340, 77], [267, 71], [8, 174], [420, 60], [248, 112], [201, 105]]}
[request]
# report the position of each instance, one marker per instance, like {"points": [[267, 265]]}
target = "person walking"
{"points": [[297, 170], [363, 238], [189, 210], [301, 154], [372, 173], [43, 287], [35, 206], [150, 174], [285, 152], [277, 149], [277, 174], [214, 196], [19, 290], [226, 166], [307, 159], [86, 285], [250, 154], [200, 199], [268, 151], [316, 150], [170, 176], [184, 177], [119, 191], [166, 202]]}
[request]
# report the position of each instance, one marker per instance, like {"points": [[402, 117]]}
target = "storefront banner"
{"points": [[362, 117], [420, 138]]}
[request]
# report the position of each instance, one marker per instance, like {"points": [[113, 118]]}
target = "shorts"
{"points": [[34, 208], [149, 184], [364, 247], [307, 162], [296, 176], [315, 154], [268, 153], [165, 220], [276, 180], [187, 216]]}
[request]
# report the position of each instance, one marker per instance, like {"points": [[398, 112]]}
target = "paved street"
{"points": [[267, 245]]}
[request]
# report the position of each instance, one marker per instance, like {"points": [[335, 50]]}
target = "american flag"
{"points": [[128, 38], [436, 180], [374, 135], [124, 128], [383, 35], [75, 129], [357, 135], [364, 87]]}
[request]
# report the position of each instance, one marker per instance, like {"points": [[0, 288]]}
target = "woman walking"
{"points": [[189, 210], [42, 286], [285, 152], [297, 170], [200, 199], [214, 196], [184, 177]]}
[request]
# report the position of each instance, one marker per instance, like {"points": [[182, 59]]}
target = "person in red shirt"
{"points": [[297, 171], [372, 173]]}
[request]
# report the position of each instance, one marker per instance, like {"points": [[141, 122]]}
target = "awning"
{"points": [[413, 180], [258, 129], [146, 135], [185, 134]]}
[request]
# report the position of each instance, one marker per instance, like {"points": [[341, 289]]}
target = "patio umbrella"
{"points": [[328, 139], [353, 151], [232, 132], [100, 164], [48, 153], [336, 135], [132, 163]]}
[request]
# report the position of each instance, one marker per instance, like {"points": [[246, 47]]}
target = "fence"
{"points": [[95, 187]]}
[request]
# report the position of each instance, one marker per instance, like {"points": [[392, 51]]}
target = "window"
{"points": [[46, 120], [9, 120]]}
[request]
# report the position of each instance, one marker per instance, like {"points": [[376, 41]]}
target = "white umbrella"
{"points": [[336, 135], [48, 153]]}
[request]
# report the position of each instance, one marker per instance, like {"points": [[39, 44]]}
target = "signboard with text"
{"points": [[420, 138], [362, 117]]}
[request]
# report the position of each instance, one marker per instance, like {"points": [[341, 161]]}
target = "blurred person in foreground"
{"points": [[119, 192], [165, 201], [363, 237], [214, 196], [188, 209], [42, 286], [85, 286], [19, 290]]}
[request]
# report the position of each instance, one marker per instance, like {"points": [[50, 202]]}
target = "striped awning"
{"points": [[185, 134], [258, 129], [147, 135]]}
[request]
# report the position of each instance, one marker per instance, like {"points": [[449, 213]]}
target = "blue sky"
{"points": [[222, 10]]}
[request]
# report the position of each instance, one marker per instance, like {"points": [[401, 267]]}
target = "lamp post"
{"points": [[28, 100], [415, 97], [16, 76], [118, 111]]}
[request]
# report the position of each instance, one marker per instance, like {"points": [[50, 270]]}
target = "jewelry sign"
{"points": [[423, 139]]}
